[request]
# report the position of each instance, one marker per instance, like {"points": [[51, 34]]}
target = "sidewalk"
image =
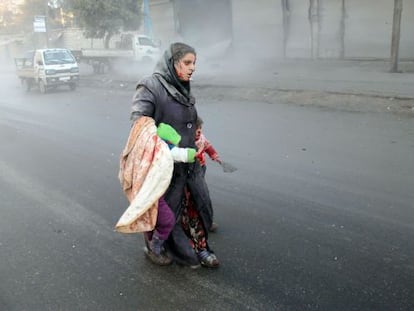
{"points": [[345, 77], [370, 78]]}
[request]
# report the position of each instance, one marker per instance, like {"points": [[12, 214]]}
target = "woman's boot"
{"points": [[208, 259]]}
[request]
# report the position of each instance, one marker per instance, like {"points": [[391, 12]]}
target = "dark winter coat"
{"points": [[163, 98]]}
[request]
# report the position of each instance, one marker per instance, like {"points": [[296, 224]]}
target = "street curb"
{"points": [[367, 94], [123, 83], [271, 95]]}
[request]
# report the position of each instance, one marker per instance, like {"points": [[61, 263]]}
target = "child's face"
{"points": [[198, 133]]}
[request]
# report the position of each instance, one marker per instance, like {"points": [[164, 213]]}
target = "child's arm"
{"points": [[172, 138], [168, 134], [212, 153], [186, 155]]}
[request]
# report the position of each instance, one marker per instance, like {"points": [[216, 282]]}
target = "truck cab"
{"points": [[143, 47], [129, 48], [146, 49], [56, 67]]}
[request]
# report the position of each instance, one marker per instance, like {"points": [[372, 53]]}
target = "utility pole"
{"points": [[147, 19], [395, 40], [46, 20]]}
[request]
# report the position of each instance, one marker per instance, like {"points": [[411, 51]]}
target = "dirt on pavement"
{"points": [[337, 101]]}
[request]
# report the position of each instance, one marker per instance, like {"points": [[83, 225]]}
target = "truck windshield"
{"points": [[58, 57], [146, 41]]}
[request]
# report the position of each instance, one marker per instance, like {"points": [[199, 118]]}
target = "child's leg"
{"points": [[156, 238], [165, 220]]}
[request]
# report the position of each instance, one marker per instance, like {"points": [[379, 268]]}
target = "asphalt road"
{"points": [[318, 216]]}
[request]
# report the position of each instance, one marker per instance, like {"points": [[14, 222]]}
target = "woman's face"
{"points": [[185, 67]]}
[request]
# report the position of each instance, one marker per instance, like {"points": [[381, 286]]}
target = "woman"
{"points": [[166, 97]]}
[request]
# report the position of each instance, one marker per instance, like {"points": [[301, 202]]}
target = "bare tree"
{"points": [[395, 40], [342, 29], [313, 16], [286, 24]]}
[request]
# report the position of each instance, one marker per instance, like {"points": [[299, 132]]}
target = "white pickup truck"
{"points": [[47, 68], [126, 48]]}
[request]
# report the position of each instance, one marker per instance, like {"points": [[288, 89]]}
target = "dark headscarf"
{"points": [[165, 66]]}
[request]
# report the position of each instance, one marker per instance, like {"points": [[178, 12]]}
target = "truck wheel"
{"points": [[26, 84], [101, 68], [95, 68], [42, 87], [72, 86], [146, 60]]}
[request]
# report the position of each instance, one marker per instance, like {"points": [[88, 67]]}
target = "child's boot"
{"points": [[156, 253]]}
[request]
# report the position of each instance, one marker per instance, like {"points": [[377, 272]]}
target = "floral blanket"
{"points": [[145, 172]]}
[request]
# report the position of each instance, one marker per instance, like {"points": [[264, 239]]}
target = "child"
{"points": [[204, 146], [154, 239]]}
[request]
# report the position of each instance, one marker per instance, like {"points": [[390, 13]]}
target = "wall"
{"points": [[298, 44], [362, 31], [257, 28], [330, 29], [407, 26], [163, 22], [10, 47], [368, 28], [366, 33]]}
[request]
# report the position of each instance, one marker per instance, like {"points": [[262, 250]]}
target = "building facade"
{"points": [[350, 29]]}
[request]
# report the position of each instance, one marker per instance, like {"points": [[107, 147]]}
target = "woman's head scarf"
{"points": [[165, 66]]}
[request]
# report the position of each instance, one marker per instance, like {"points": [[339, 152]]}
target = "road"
{"points": [[318, 216]]}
